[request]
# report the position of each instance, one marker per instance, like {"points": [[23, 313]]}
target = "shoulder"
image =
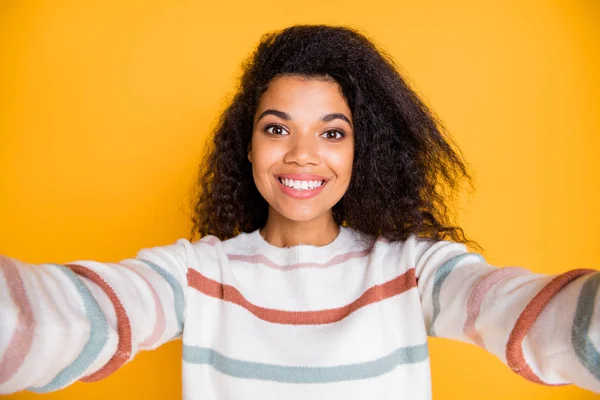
{"points": [[210, 247], [417, 250]]}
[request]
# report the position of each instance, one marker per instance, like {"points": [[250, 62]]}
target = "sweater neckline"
{"points": [[331, 247]]}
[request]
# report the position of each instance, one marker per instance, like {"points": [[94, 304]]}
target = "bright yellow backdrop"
{"points": [[105, 106]]}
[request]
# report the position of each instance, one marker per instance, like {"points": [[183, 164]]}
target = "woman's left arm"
{"points": [[544, 327]]}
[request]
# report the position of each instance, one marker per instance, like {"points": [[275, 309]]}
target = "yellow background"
{"points": [[105, 106]]}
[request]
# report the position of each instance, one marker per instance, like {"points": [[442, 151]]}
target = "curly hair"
{"points": [[406, 171]]}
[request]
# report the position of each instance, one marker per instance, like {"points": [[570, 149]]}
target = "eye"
{"points": [[334, 135], [276, 130]]}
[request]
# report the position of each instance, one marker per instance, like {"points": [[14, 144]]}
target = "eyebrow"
{"points": [[287, 117]]}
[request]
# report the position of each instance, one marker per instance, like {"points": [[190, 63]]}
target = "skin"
{"points": [[314, 136]]}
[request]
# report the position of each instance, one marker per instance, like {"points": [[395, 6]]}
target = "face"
{"points": [[302, 147]]}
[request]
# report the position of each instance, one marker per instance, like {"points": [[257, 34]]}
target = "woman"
{"points": [[326, 256]]}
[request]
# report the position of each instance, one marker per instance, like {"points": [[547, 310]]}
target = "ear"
{"points": [[250, 154]]}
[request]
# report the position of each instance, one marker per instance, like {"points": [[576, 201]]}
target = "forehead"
{"points": [[305, 95]]}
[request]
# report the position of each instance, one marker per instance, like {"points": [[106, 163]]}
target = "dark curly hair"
{"points": [[406, 171]]}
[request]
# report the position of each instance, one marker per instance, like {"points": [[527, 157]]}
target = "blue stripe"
{"points": [[287, 374], [440, 276], [97, 340], [586, 352], [177, 293]]}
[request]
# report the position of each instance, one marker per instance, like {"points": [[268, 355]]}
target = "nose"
{"points": [[303, 150]]}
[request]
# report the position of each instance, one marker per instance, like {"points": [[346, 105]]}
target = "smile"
{"points": [[300, 185], [300, 189]]}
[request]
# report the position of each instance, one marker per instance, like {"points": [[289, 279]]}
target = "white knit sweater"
{"points": [[347, 320]]}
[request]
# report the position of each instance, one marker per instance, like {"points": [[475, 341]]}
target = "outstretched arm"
{"points": [[84, 320], [544, 327]]}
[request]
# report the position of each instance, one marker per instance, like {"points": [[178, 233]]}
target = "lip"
{"points": [[301, 194]]}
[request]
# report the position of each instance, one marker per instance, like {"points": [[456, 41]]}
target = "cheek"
{"points": [[341, 163], [264, 158]]}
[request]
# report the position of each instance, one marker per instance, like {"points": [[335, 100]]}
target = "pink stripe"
{"points": [[477, 296], [261, 259], [210, 240], [159, 324], [22, 338]]}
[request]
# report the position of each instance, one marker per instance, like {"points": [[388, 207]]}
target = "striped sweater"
{"points": [[346, 320]]}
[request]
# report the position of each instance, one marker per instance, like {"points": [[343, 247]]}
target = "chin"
{"points": [[302, 215]]}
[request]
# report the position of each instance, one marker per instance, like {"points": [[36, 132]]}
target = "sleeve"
{"points": [[544, 327], [84, 320]]}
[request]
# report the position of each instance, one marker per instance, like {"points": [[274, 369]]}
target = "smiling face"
{"points": [[302, 147]]}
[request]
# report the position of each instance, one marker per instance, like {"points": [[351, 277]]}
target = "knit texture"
{"points": [[346, 320]]}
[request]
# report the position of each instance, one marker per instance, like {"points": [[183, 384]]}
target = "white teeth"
{"points": [[301, 185]]}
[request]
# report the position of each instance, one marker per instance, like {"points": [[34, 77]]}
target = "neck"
{"points": [[283, 232]]}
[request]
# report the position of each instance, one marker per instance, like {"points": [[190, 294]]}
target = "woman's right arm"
{"points": [[84, 320]]}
